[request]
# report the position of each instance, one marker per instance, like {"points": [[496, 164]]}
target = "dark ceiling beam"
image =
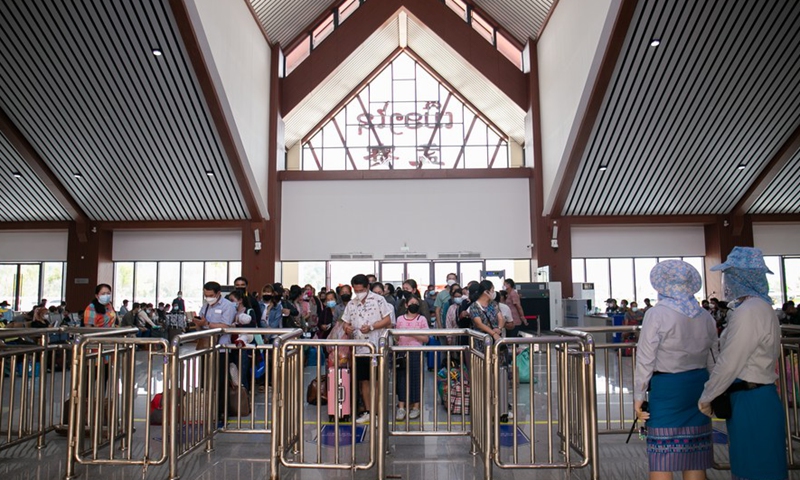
{"points": [[416, 174], [373, 15], [225, 131], [41, 169], [172, 225], [605, 72], [768, 174], [642, 220], [48, 225]]}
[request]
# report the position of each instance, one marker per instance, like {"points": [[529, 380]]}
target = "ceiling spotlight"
{"points": [[603, 168], [209, 173], [17, 175], [77, 175], [655, 42], [157, 52], [741, 167]]}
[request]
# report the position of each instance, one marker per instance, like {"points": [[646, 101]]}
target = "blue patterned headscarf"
{"points": [[745, 274], [676, 283]]}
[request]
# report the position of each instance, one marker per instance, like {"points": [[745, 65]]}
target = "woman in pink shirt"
{"points": [[408, 372]]}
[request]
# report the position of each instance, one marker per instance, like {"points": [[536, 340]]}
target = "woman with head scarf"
{"points": [[746, 368], [672, 360]]}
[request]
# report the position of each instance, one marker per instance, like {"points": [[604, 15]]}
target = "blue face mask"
{"points": [[330, 303], [104, 299], [458, 300]]}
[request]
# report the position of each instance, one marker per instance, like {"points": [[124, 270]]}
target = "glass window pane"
{"points": [[169, 280], [642, 267], [597, 273], [235, 270], [217, 272], [792, 265], [296, 56], [622, 279], [392, 273], [343, 271], [311, 273], [8, 284], [578, 272], [123, 282], [470, 271], [29, 286], [440, 272], [145, 284], [480, 25], [323, 30], [459, 7], [775, 285], [192, 285], [346, 9], [509, 50], [53, 282], [421, 273], [697, 262]]}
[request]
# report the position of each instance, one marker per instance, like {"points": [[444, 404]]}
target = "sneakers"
{"points": [[234, 371], [401, 414], [510, 412], [414, 413], [363, 418]]}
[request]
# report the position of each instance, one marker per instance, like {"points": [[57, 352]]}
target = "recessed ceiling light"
{"points": [[741, 167], [77, 175], [17, 175], [157, 52], [603, 168], [655, 42], [209, 173]]}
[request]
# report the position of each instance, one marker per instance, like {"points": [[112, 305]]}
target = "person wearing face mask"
{"points": [[634, 315], [747, 369], [100, 313], [443, 301], [484, 311], [409, 289], [345, 294], [366, 317], [41, 318], [451, 320], [179, 301], [408, 375], [327, 318], [515, 305], [250, 301], [377, 288], [144, 321]]}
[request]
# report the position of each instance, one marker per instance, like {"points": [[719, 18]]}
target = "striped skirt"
{"points": [[757, 432], [678, 434]]}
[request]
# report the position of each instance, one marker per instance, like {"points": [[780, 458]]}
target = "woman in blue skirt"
{"points": [[746, 365], [674, 347]]}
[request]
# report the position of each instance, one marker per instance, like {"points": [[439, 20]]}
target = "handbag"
{"points": [[311, 392], [238, 405]]}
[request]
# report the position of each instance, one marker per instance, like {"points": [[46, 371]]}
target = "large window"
{"points": [[155, 282], [625, 278], [23, 285], [405, 119]]}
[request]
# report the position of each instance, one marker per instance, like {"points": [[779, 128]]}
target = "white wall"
{"points": [[33, 246], [638, 241], [239, 60], [777, 239], [177, 245], [569, 52], [362, 217]]}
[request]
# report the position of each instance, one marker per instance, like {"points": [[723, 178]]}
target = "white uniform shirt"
{"points": [[749, 348], [372, 310], [671, 342]]}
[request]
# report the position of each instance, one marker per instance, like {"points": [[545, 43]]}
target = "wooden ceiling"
{"points": [[687, 126]]}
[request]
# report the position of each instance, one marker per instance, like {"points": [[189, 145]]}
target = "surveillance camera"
{"points": [[258, 247], [529, 246]]}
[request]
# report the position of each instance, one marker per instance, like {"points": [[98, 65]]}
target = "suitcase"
{"points": [[339, 389], [502, 393]]}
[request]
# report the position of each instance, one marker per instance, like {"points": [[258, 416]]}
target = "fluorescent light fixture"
{"points": [[77, 175], [17, 175], [209, 173], [603, 168], [157, 52], [655, 42], [741, 167]]}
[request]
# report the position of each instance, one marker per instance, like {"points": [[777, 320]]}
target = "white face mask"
{"points": [[634, 309], [492, 294], [458, 300], [361, 296], [211, 300], [451, 282]]}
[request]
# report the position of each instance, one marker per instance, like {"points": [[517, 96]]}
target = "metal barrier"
{"points": [[292, 431], [564, 416]]}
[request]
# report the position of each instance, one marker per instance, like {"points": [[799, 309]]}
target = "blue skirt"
{"points": [[678, 434], [757, 435]]}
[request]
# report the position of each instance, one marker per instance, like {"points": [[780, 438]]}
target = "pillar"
{"points": [[89, 262], [721, 236]]}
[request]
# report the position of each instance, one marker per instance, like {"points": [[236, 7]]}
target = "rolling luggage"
{"points": [[339, 382]]}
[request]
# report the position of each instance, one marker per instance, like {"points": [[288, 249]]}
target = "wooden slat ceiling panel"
{"points": [[80, 81], [783, 194], [284, 20], [26, 198], [722, 90], [520, 18]]}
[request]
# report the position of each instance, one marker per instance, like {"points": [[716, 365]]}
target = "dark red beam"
{"points": [[416, 174]]}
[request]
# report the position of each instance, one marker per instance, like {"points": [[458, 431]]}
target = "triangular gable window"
{"points": [[405, 119]]}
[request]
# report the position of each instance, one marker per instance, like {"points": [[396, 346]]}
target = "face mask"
{"points": [[211, 300], [104, 299], [634, 309], [451, 282], [492, 294], [413, 308], [458, 300], [331, 303], [361, 296], [346, 297], [180, 296], [240, 290]]}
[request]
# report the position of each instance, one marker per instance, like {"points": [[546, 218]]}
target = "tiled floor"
{"points": [[431, 458]]}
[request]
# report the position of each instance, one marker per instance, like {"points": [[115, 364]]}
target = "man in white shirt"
{"points": [[366, 316]]}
